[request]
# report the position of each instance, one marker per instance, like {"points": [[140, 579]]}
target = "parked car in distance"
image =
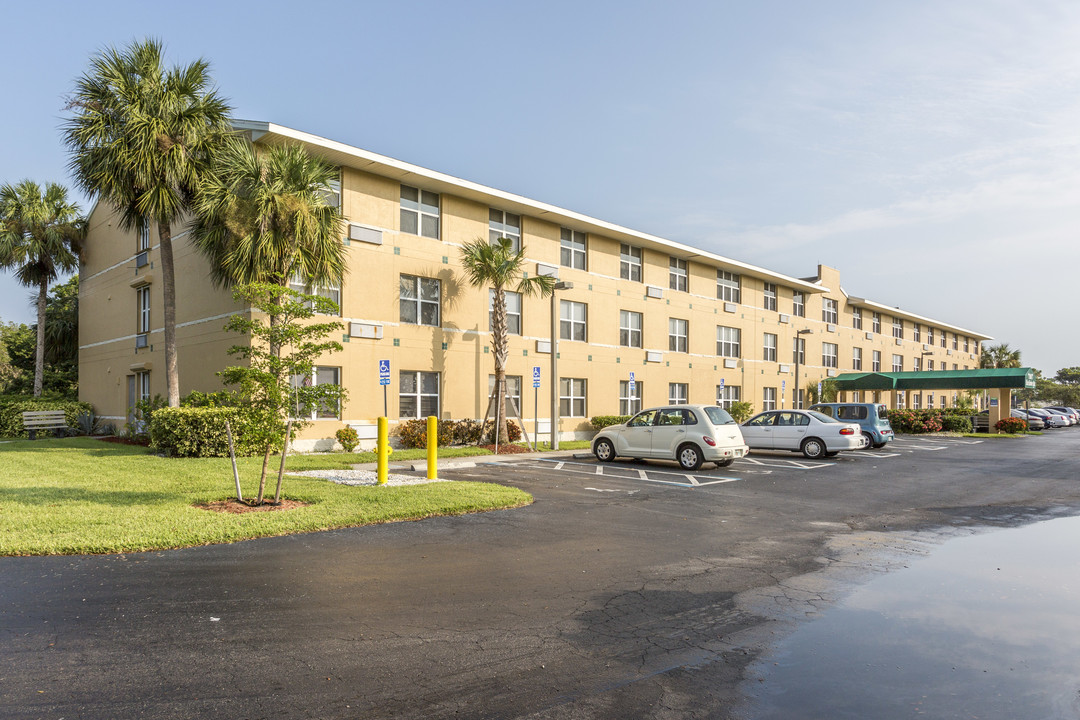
{"points": [[688, 434], [1070, 412], [982, 420], [1052, 420], [873, 418], [812, 433]]}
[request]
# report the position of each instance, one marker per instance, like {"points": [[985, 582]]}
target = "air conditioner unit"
{"points": [[142, 341], [544, 269], [370, 331], [731, 363], [653, 356], [653, 291], [359, 233], [543, 347]]}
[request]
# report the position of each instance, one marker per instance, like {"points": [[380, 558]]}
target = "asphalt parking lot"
{"points": [[621, 592]]}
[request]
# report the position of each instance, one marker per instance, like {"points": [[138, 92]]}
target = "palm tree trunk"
{"points": [[501, 346], [168, 286], [39, 358]]}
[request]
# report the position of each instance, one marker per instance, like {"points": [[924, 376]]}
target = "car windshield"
{"points": [[719, 416], [821, 417]]}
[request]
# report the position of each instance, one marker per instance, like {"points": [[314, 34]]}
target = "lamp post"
{"points": [[561, 285], [798, 352]]}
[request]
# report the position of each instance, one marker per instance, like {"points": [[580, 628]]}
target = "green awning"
{"points": [[980, 379]]}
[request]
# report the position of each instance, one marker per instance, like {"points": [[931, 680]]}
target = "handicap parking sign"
{"points": [[536, 376], [384, 372]]}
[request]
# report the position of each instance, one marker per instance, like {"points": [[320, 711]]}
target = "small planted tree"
{"points": [[276, 384]]}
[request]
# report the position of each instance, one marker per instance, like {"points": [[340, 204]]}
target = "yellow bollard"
{"points": [[432, 447], [382, 449]]}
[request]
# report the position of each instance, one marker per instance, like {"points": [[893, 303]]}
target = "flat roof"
{"points": [[979, 379]]}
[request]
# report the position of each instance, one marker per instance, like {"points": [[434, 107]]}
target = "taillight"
{"points": [[708, 441], [847, 431]]}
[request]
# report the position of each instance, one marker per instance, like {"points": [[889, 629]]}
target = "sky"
{"points": [[929, 150]]}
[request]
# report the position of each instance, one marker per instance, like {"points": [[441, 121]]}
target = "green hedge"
{"points": [[13, 406], [413, 433], [200, 432], [602, 421]]}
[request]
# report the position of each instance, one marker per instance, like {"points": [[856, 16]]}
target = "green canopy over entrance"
{"points": [[981, 379]]}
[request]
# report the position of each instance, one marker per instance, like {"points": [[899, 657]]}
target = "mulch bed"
{"points": [[507, 449], [232, 506]]}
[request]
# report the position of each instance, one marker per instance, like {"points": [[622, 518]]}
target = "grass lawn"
{"points": [[80, 495], [344, 461]]}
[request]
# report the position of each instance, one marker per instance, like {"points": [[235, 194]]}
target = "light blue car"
{"points": [[873, 418]]}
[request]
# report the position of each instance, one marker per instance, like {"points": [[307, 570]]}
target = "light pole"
{"points": [[561, 285], [798, 353]]}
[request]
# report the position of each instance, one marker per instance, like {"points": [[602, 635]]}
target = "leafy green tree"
{"points": [[142, 138], [999, 356], [10, 371], [280, 356], [41, 234], [1068, 376], [497, 265]]}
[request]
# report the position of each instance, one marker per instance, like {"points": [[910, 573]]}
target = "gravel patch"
{"points": [[363, 477]]}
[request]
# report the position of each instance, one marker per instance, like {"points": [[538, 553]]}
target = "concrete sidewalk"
{"points": [[473, 461]]}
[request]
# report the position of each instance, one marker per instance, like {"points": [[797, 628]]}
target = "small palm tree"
{"points": [[999, 356], [41, 235], [497, 265], [141, 139]]}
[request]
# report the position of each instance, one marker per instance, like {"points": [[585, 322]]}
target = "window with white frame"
{"points": [[572, 397], [916, 364], [573, 317], [967, 344], [630, 403], [572, 249], [929, 335], [829, 355], [828, 310], [727, 395], [728, 286], [332, 191], [630, 262], [142, 385], [856, 396], [769, 348], [678, 335], [728, 341], [798, 350], [142, 295], [898, 328], [321, 376], [898, 363], [419, 300], [930, 401], [875, 322], [955, 342], [329, 290], [930, 363], [629, 328], [512, 397], [798, 303], [916, 401], [513, 311], [419, 212], [916, 333], [677, 274], [502, 224], [768, 398], [856, 358], [144, 234], [875, 362], [418, 394], [943, 336], [770, 296], [678, 393], [856, 318]]}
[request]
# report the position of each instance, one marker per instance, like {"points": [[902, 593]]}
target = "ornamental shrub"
{"points": [[1011, 425], [200, 431], [13, 406], [741, 411], [413, 433], [602, 421], [955, 423], [348, 438], [915, 421]]}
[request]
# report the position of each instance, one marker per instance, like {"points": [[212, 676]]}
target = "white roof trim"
{"points": [[897, 312]]}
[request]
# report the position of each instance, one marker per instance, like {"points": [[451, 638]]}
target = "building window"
{"points": [[629, 328], [798, 351], [678, 334], [929, 335], [728, 341], [332, 191], [572, 397], [513, 311], [930, 401], [856, 318], [875, 322], [875, 362], [677, 275], [829, 355], [943, 336], [143, 298], [144, 235], [828, 311], [419, 300], [769, 348], [916, 401], [329, 290], [930, 363], [573, 316], [572, 250], [898, 363], [955, 342], [727, 396], [504, 225], [142, 385], [512, 406], [418, 394], [967, 346], [916, 333], [419, 212], [916, 364], [324, 411], [768, 399], [630, 262], [630, 404], [678, 393], [770, 296], [856, 358], [798, 304], [728, 286], [898, 328]]}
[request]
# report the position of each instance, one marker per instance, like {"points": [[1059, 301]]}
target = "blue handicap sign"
{"points": [[721, 383], [384, 372], [536, 377]]}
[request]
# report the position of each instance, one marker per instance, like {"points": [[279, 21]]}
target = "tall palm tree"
{"points": [[497, 265], [141, 139], [41, 235], [999, 356]]}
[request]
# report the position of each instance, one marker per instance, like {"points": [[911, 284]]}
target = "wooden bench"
{"points": [[34, 420]]}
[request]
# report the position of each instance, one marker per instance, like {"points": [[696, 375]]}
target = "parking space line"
{"points": [[690, 481]]}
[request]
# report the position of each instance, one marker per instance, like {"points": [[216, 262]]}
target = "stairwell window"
{"points": [[798, 304], [828, 311]]}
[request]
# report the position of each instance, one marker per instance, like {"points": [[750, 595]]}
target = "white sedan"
{"points": [[813, 434]]}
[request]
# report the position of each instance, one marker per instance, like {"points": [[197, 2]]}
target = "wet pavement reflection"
{"points": [[986, 626]]}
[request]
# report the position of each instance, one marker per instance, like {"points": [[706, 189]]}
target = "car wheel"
{"points": [[604, 450], [813, 448], [870, 441], [689, 457]]}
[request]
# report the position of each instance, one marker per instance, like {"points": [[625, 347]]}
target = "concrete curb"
{"points": [[474, 460]]}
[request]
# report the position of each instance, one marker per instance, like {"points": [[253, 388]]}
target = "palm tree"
{"points": [[141, 139], [496, 264], [999, 356], [41, 235]]}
